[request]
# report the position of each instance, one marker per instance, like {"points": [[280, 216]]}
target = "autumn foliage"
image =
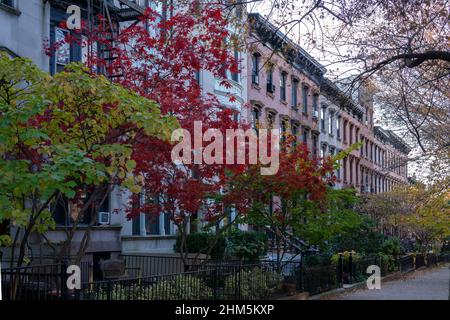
{"points": [[161, 59]]}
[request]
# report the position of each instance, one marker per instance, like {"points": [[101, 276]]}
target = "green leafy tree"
{"points": [[70, 136]]}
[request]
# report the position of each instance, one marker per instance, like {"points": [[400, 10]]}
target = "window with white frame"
{"points": [[305, 90], [283, 77], [330, 123], [62, 53], [255, 68], [322, 118]]}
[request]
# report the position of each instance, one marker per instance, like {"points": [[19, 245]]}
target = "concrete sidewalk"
{"points": [[426, 284]]}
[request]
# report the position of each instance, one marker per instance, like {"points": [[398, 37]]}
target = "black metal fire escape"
{"points": [[117, 15]]}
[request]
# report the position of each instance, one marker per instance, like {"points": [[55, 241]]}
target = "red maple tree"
{"points": [[160, 58]]}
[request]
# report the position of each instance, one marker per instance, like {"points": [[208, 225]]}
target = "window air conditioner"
{"points": [[104, 218]]}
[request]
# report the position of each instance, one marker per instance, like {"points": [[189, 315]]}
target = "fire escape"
{"points": [[117, 15]]}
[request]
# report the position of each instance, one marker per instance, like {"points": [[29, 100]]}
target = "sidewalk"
{"points": [[426, 284]]}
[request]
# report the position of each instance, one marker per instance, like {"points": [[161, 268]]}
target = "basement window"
{"points": [[9, 3], [9, 6]]}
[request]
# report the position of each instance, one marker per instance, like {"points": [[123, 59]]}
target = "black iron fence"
{"points": [[318, 279], [432, 260], [38, 282], [223, 282], [171, 278], [419, 260], [406, 263]]}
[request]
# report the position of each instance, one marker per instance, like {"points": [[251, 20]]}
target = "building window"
{"points": [[344, 168], [351, 170], [345, 131], [305, 137], [330, 123], [351, 134], [371, 151], [294, 130], [9, 3], [270, 85], [256, 114], [315, 147], [271, 120], [151, 219], [255, 68], [235, 75], [322, 119], [62, 54], [315, 102], [294, 98], [338, 170], [362, 146], [305, 99], [338, 127], [284, 127], [323, 151], [283, 78], [367, 149], [66, 213], [197, 77]]}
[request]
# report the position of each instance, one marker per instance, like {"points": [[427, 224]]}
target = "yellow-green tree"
{"points": [[418, 210]]}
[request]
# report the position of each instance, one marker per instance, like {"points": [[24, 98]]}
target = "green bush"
{"points": [[200, 242], [316, 260], [181, 287], [392, 247], [117, 292], [345, 257], [254, 284], [388, 263], [364, 240], [247, 245]]}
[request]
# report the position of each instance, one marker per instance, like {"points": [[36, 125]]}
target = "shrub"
{"points": [[181, 287], [200, 242], [247, 245], [388, 263], [364, 240], [345, 257], [253, 284], [392, 247], [117, 292], [316, 260]]}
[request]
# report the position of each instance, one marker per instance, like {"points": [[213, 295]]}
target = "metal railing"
{"points": [[37, 282], [171, 278], [223, 282]]}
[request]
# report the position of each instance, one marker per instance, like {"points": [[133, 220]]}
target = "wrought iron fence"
{"points": [[225, 281], [419, 260], [170, 278], [37, 282], [432, 260], [406, 263], [318, 279]]}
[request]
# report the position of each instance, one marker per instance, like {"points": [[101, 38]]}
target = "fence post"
{"points": [[109, 289], [63, 273], [215, 283], [300, 282], [350, 267], [340, 270], [239, 279]]}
